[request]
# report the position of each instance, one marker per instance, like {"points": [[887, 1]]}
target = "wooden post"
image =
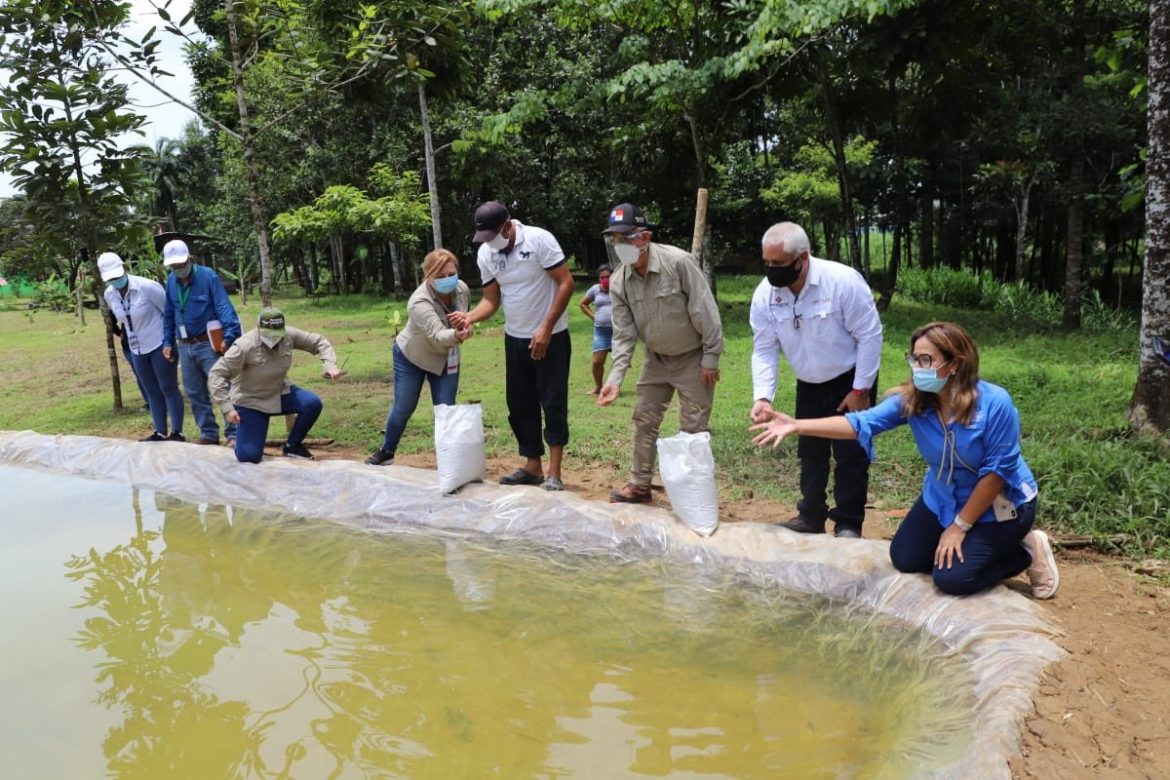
{"points": [[80, 308], [698, 240]]}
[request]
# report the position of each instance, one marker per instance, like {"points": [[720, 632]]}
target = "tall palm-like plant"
{"points": [[164, 167]]}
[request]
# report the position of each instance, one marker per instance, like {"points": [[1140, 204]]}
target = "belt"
{"points": [[194, 339]]}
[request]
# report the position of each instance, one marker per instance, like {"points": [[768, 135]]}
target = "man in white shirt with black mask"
{"points": [[821, 316]]}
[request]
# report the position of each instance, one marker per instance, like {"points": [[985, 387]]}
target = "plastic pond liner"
{"points": [[185, 614]]}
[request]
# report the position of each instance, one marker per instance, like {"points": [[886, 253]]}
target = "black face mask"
{"points": [[782, 275]]}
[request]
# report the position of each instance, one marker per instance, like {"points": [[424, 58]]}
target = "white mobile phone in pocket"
{"points": [[1003, 509]]}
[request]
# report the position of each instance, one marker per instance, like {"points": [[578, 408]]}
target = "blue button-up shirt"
{"points": [[196, 304], [989, 444]]}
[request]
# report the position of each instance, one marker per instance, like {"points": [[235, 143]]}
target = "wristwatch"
{"points": [[856, 391], [963, 524]]}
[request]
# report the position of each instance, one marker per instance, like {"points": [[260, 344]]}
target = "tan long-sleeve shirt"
{"points": [[671, 310], [255, 376]]}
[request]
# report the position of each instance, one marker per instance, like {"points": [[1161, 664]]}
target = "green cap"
{"points": [[272, 323]]}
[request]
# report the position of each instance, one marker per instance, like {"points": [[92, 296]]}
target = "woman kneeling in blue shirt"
{"points": [[972, 525]]}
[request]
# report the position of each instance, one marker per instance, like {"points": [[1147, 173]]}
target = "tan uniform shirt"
{"points": [[428, 337], [255, 376], [671, 310]]}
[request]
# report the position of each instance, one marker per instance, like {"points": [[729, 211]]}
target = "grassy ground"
{"points": [[1096, 477]]}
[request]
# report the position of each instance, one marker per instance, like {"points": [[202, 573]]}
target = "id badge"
{"points": [[453, 360], [182, 331]]}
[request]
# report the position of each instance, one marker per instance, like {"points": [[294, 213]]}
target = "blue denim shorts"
{"points": [[602, 338]]}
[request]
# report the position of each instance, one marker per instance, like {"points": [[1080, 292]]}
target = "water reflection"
{"points": [[235, 643], [153, 661]]}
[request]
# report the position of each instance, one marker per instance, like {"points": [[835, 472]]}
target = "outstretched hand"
{"points": [[608, 395], [774, 430]]}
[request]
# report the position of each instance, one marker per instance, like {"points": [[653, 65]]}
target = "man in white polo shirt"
{"points": [[523, 269], [821, 316]]}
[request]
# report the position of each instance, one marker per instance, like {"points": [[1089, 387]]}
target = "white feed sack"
{"points": [[459, 453], [688, 473]]}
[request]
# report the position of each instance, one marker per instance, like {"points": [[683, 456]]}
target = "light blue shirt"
{"points": [[139, 312], [959, 455], [602, 306]]}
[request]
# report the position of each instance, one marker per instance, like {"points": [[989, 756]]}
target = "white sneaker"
{"points": [[1042, 574]]}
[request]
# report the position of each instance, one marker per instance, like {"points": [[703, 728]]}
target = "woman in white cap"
{"points": [[137, 304]]}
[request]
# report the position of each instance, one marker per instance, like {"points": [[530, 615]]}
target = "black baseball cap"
{"points": [[489, 218], [626, 218]]}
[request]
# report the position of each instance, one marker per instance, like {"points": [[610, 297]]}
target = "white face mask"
{"points": [[498, 242], [627, 253], [271, 342]]}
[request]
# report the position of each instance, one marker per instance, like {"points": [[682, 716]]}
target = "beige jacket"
{"points": [[254, 376], [671, 310], [428, 336]]}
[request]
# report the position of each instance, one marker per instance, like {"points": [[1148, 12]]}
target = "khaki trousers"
{"points": [[661, 376]]}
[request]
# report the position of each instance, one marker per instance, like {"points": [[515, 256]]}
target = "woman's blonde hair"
{"points": [[434, 262], [956, 346]]}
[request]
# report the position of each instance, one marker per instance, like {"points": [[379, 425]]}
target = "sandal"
{"points": [[630, 494], [553, 483], [521, 477]]}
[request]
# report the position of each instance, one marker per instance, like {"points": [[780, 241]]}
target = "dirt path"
{"points": [[1103, 711]]}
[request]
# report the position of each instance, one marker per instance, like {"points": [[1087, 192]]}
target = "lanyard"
{"points": [[131, 336], [184, 291]]}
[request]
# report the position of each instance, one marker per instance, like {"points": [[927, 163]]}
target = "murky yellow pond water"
{"points": [[145, 637]]}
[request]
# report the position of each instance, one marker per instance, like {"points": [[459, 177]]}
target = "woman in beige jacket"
{"points": [[427, 349]]}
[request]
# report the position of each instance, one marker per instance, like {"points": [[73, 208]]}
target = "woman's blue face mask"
{"points": [[927, 380], [446, 284], [119, 283]]}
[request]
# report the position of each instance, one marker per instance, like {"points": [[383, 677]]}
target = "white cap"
{"points": [[110, 266], [175, 253]]}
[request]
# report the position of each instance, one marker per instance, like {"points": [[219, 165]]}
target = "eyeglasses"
{"points": [[922, 361]]}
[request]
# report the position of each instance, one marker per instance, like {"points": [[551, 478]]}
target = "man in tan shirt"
{"points": [[250, 384], [659, 296]]}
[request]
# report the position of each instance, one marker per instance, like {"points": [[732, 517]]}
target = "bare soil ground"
{"points": [[1102, 711]]}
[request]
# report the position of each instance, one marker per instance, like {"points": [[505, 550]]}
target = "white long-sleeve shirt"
{"points": [[831, 327], [140, 312]]}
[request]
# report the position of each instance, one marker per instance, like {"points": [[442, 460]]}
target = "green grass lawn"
{"points": [[1095, 475]]}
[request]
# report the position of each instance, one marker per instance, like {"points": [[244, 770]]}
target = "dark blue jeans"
{"points": [[851, 472], [992, 552], [253, 428], [535, 386], [160, 384], [408, 382], [196, 361]]}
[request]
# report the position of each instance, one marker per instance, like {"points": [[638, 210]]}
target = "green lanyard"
{"points": [[184, 291]]}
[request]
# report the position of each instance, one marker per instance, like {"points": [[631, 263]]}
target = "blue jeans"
{"points": [[196, 361], [408, 382], [160, 384], [991, 551], [126, 353], [253, 430]]}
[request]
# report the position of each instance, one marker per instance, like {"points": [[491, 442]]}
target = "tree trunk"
{"points": [[926, 221], [251, 169], [1075, 250], [901, 212], [837, 133], [1020, 271], [1150, 407], [699, 239], [432, 182]]}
